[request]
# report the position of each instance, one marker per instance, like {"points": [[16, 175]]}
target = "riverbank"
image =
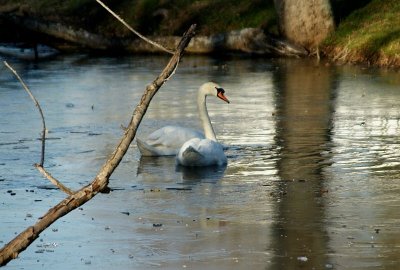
{"points": [[368, 32], [248, 28]]}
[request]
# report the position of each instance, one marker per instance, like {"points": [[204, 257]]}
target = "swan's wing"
{"points": [[166, 141], [213, 153], [172, 135], [146, 149]]}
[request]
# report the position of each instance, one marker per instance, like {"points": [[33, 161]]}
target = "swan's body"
{"points": [[168, 140], [201, 152], [204, 151]]}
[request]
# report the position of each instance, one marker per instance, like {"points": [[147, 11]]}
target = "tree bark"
{"points": [[305, 22], [24, 239]]}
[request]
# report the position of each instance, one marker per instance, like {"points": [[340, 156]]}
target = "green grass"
{"points": [[371, 32]]}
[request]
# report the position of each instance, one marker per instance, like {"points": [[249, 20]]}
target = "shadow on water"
{"points": [[159, 168], [209, 174], [305, 99]]}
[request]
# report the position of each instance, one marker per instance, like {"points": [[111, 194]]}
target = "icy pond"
{"points": [[312, 181]]}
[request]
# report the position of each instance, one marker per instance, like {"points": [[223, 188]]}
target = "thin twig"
{"points": [[40, 167], [37, 105], [53, 180], [133, 30]]}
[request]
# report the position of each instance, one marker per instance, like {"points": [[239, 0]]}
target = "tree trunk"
{"points": [[305, 22]]}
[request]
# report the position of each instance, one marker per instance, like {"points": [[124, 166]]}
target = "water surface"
{"points": [[312, 179]]}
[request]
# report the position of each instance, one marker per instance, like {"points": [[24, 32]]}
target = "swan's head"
{"points": [[213, 89]]}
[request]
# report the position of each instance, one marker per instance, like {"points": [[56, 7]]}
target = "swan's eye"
{"points": [[220, 90]]}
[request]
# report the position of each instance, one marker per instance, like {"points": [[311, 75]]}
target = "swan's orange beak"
{"points": [[222, 96]]}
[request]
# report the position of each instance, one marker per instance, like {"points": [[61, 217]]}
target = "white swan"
{"points": [[168, 140], [204, 151]]}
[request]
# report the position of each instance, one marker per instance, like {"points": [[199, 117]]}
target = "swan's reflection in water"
{"points": [[167, 170], [209, 174], [156, 165]]}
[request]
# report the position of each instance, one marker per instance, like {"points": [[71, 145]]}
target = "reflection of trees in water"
{"points": [[305, 96], [367, 126]]}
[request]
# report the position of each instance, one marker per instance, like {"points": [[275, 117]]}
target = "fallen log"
{"points": [[247, 40]]}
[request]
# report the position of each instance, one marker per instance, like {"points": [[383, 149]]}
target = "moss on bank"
{"points": [[368, 35]]}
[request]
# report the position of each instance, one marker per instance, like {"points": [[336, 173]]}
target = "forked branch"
{"points": [[40, 166]]}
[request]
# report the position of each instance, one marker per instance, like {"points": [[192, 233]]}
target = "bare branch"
{"points": [[40, 166], [37, 105], [24, 239], [133, 30]]}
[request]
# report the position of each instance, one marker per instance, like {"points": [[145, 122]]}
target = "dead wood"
{"points": [[100, 182]]}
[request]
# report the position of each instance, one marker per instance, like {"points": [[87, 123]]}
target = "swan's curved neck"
{"points": [[205, 119]]}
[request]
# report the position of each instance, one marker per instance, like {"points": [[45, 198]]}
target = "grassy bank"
{"points": [[368, 30], [368, 35]]}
